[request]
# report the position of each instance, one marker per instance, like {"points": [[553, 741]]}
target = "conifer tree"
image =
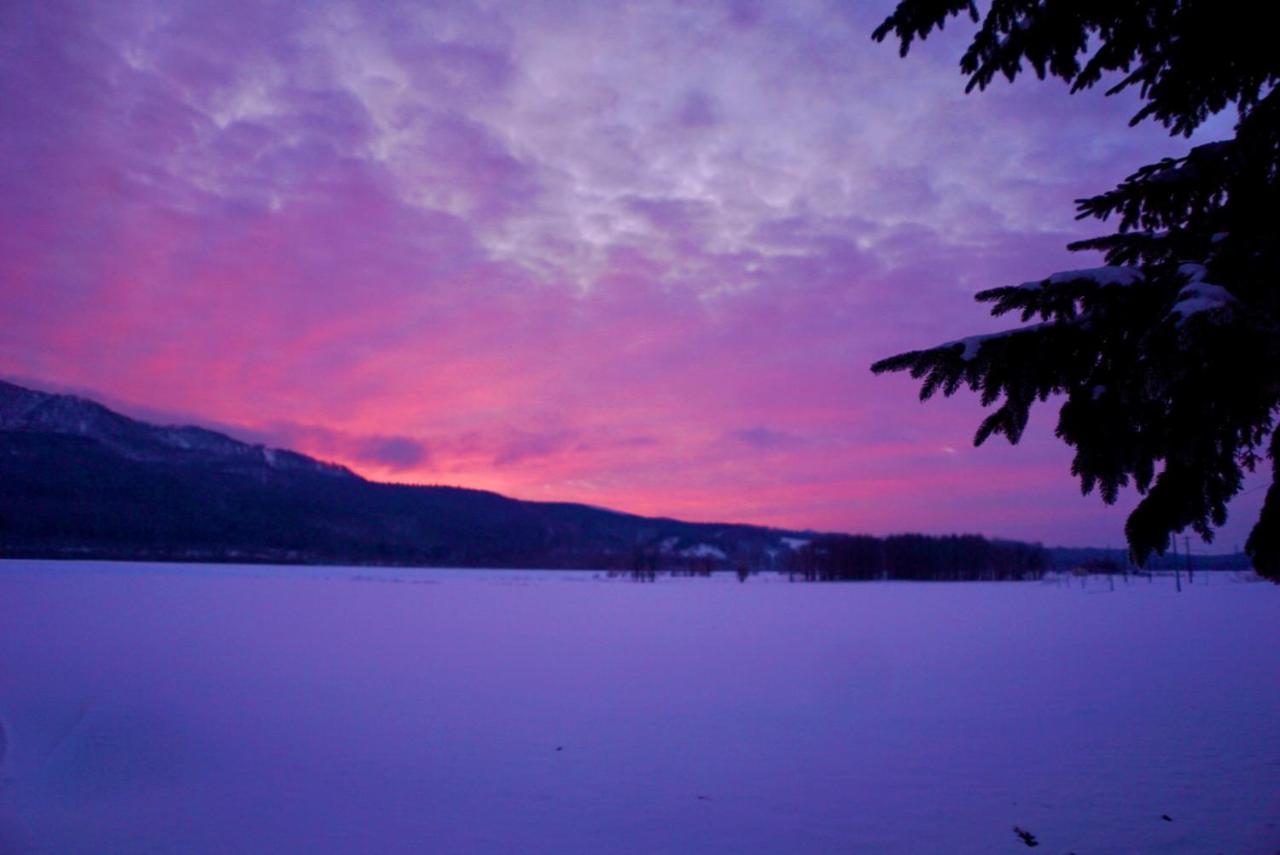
{"points": [[1166, 358]]}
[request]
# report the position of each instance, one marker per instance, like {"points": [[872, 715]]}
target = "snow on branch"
{"points": [[1102, 276], [1198, 295], [973, 344]]}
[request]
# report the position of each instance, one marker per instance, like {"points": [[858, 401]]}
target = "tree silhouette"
{"points": [[1168, 357]]}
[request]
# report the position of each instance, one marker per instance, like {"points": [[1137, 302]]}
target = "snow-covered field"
{"points": [[163, 709]]}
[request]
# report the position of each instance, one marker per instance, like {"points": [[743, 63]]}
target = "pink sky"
{"points": [[638, 255]]}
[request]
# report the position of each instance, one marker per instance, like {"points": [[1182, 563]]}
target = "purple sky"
{"points": [[638, 255]]}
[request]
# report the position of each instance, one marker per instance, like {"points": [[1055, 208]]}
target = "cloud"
{"points": [[764, 439], [395, 452]]}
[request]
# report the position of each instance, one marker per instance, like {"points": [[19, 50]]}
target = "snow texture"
{"points": [[154, 708], [1106, 275], [1198, 295], [973, 344]]}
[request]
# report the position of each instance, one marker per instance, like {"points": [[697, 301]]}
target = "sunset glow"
{"points": [[634, 255]]}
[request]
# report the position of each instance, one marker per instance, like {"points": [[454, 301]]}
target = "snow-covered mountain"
{"points": [[77, 479], [30, 411]]}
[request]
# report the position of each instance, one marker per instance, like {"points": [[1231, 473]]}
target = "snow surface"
{"points": [[154, 708]]}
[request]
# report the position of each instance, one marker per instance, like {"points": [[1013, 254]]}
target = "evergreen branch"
{"points": [[1212, 65]]}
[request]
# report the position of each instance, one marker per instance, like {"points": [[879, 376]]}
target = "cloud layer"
{"points": [[638, 255]]}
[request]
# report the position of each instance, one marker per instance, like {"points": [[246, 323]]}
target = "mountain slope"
{"points": [[28, 411], [77, 479]]}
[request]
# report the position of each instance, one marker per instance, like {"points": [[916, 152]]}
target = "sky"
{"points": [[639, 255]]}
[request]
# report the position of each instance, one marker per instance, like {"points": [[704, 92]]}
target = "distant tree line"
{"points": [[916, 556]]}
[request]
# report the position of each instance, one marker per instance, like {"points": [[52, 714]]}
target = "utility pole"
{"points": [[1186, 551]]}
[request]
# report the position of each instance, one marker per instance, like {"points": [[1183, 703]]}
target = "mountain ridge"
{"points": [[33, 411], [79, 479]]}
